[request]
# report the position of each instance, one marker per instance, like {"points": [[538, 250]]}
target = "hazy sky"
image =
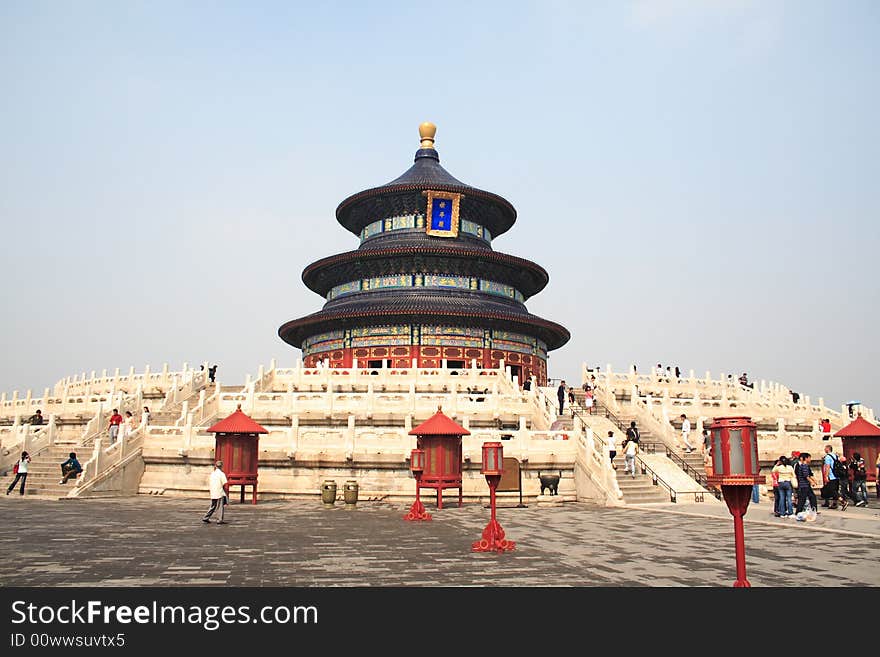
{"points": [[698, 178]]}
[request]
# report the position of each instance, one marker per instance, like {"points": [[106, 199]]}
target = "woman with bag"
{"points": [[21, 472]]}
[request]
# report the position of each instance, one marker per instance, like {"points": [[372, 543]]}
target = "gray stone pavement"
{"points": [[150, 541]]}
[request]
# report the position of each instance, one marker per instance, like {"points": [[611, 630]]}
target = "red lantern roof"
{"points": [[439, 425], [859, 427], [238, 422]]}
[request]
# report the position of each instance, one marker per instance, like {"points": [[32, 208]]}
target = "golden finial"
{"points": [[427, 131]]}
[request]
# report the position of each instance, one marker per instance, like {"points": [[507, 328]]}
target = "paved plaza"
{"points": [[150, 541]]}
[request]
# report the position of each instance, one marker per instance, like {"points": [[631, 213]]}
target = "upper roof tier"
{"points": [[403, 195]]}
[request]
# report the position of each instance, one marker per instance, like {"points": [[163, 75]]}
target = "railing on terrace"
{"points": [[692, 472], [657, 480]]}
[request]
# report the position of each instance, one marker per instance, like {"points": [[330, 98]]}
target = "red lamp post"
{"points": [[493, 535], [735, 468], [417, 466]]}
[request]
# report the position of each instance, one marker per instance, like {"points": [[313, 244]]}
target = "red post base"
{"points": [[417, 512], [493, 535], [493, 540]]}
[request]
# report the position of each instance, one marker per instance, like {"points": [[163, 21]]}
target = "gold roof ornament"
{"points": [[427, 130]]}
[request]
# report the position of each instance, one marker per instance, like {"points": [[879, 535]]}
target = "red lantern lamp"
{"points": [[735, 468], [417, 467], [493, 453], [493, 467]]}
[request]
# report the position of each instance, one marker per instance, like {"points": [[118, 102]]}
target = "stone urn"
{"points": [[350, 494], [328, 493], [550, 481]]}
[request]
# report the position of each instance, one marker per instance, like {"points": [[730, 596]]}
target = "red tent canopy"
{"points": [[439, 425], [238, 422], [860, 428]]}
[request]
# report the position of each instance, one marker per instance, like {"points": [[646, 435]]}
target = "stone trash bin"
{"points": [[350, 494], [328, 493]]}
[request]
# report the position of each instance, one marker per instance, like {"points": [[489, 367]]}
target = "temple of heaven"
{"points": [[425, 286]]}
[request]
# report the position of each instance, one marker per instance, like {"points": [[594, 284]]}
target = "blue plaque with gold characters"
{"points": [[442, 214]]}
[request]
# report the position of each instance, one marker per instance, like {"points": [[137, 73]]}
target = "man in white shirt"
{"points": [[685, 432], [219, 488]]}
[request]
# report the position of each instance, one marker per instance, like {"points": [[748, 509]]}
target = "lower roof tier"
{"points": [[425, 308]]}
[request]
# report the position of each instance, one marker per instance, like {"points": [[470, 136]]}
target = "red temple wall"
{"points": [[432, 356]]}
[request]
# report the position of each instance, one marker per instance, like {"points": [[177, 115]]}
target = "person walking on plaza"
{"points": [[805, 482], [859, 479], [115, 421], [146, 415], [825, 428], [831, 487], [560, 395], [570, 396], [844, 489], [685, 432], [212, 373], [37, 418], [877, 480], [630, 450], [612, 448], [677, 373], [219, 489], [785, 474], [21, 472], [71, 468], [774, 479]]}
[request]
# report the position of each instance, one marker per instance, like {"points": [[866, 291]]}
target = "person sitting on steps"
{"points": [[70, 469]]}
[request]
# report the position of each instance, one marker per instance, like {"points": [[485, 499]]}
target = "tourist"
{"points": [[831, 483], [825, 428], [527, 384], [560, 394], [632, 434], [212, 373], [793, 461], [115, 421], [219, 488], [588, 401], [71, 468], [37, 418], [612, 448], [860, 479], [677, 374], [632, 448], [685, 432], [774, 480], [21, 472], [877, 479], [786, 477], [127, 425], [795, 397], [668, 374], [146, 416], [844, 490], [744, 381], [570, 396], [805, 482], [659, 372]]}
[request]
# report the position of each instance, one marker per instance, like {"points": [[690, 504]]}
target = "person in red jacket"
{"points": [[115, 421]]}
